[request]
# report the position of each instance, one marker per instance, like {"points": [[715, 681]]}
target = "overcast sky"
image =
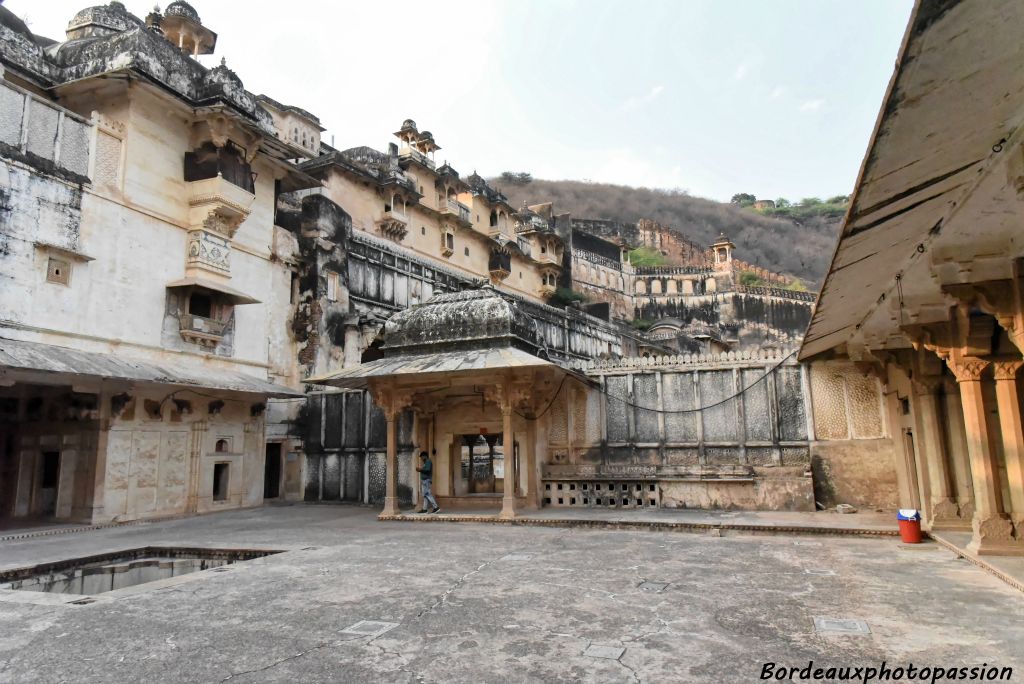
{"points": [[714, 97]]}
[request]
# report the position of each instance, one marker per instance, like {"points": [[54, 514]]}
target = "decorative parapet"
{"points": [[596, 259], [724, 359], [672, 270], [777, 292]]}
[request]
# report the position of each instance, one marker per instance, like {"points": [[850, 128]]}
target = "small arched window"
{"points": [[223, 446]]}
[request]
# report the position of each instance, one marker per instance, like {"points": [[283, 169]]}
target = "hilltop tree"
{"points": [[743, 199], [516, 177]]}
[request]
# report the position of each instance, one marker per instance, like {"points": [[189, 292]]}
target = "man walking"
{"points": [[426, 471]]}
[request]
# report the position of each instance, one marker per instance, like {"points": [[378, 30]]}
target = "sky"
{"points": [[713, 97]]}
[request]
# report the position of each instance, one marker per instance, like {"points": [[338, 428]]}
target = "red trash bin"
{"points": [[910, 525]]}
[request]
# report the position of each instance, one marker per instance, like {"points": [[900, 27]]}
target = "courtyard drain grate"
{"points": [[806, 543], [819, 571], [656, 587], [372, 628], [609, 652], [841, 626], [517, 557]]}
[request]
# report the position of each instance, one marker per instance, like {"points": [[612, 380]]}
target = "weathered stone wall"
{"points": [[346, 443], [747, 448]]}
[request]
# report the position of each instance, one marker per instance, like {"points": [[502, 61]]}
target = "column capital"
{"points": [[391, 400], [1007, 370], [508, 395], [967, 368]]}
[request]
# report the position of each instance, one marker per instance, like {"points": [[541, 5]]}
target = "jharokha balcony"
{"points": [[394, 224], [221, 188], [417, 156], [499, 264], [455, 208], [201, 330]]}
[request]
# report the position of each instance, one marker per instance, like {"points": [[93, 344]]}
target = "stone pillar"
{"points": [[992, 530], [964, 483], [1008, 402], [353, 352], [508, 499], [906, 474], [391, 465], [195, 458], [932, 451]]}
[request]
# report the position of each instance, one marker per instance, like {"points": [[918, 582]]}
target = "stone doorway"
{"points": [[8, 472], [272, 471], [49, 481], [481, 459]]}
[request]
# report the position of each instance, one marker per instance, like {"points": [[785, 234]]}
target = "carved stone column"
{"points": [[931, 447], [507, 396], [391, 403], [963, 482], [391, 465], [992, 530], [1008, 403], [195, 460]]}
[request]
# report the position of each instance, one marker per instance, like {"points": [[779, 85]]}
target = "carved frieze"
{"points": [[209, 250]]}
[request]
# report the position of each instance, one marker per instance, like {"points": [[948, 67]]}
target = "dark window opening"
{"points": [[220, 481], [223, 446], [494, 219], [229, 161], [200, 305], [272, 471], [51, 470]]}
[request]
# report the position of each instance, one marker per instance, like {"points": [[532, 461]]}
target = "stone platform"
{"points": [[689, 520], [352, 599]]}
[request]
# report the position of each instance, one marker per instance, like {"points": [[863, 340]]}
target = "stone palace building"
{"points": [[204, 306]]}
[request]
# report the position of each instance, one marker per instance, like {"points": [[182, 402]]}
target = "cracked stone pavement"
{"points": [[468, 613]]}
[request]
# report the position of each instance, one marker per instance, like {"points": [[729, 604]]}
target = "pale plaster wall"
{"points": [[155, 465], [852, 456]]}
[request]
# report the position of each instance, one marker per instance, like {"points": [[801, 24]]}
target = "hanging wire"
{"points": [[899, 293], [709, 406], [700, 409]]}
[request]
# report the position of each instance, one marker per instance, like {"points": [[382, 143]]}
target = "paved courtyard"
{"points": [[475, 602]]}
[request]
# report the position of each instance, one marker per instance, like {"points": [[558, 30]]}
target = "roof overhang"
{"points": [[440, 366], [47, 364], [234, 295], [936, 201]]}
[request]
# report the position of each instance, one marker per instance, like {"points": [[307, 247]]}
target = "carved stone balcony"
{"points": [[455, 208], [546, 290], [218, 205], [200, 330], [408, 152], [393, 225], [548, 258]]}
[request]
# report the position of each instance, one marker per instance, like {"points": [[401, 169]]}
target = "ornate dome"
{"points": [[181, 8], [472, 319], [102, 20]]}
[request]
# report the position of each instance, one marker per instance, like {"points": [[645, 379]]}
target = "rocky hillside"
{"points": [[797, 242]]}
